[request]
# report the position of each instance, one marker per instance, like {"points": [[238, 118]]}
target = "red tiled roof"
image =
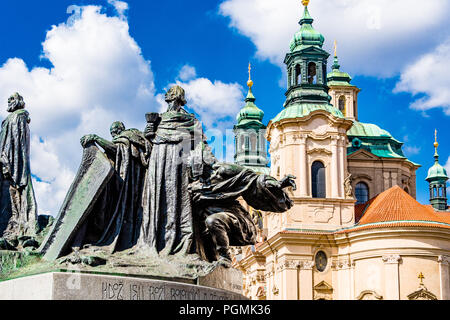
{"points": [[396, 208]]}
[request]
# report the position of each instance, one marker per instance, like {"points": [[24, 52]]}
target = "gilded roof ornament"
{"points": [[436, 144], [305, 2], [250, 82]]}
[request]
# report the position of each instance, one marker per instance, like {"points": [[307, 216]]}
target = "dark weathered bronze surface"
{"points": [[18, 209], [168, 196]]}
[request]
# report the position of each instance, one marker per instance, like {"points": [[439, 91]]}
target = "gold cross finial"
{"points": [[436, 144], [250, 82], [305, 2], [421, 277], [335, 48]]}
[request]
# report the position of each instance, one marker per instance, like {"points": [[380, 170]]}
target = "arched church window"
{"points": [[253, 142], [318, 180], [312, 73], [298, 75], [342, 104], [361, 193]]}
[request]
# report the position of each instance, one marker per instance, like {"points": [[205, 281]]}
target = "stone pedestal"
{"points": [[85, 286]]}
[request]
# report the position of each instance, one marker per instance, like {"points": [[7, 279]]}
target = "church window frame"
{"points": [[298, 75], [319, 257], [362, 192], [342, 104], [318, 180], [312, 78]]}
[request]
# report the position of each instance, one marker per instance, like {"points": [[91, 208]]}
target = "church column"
{"points": [[306, 280], [289, 271], [391, 277], [334, 168], [444, 275], [303, 176], [345, 278], [342, 160]]}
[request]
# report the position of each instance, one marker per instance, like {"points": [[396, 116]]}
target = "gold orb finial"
{"points": [[436, 144], [250, 82], [305, 2]]}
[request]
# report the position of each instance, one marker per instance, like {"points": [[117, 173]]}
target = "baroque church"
{"points": [[355, 230]]}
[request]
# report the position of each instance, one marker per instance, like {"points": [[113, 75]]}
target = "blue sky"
{"points": [[75, 83]]}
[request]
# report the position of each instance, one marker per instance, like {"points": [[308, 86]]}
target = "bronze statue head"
{"points": [[116, 128], [175, 97], [15, 102]]}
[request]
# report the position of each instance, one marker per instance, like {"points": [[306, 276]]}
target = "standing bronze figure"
{"points": [[18, 209]]}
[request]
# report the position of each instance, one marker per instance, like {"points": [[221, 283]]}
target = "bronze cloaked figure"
{"points": [[179, 156], [161, 198], [18, 209], [190, 200]]}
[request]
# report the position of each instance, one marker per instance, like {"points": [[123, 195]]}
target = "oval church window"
{"points": [[321, 261]]}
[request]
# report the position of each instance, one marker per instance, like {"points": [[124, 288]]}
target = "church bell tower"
{"points": [[308, 139]]}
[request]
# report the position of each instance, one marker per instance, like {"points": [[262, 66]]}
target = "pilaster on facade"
{"points": [[391, 276], [343, 269], [444, 276]]}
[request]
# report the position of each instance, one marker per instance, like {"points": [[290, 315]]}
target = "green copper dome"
{"points": [[372, 138], [437, 172], [250, 112], [367, 130], [307, 35], [337, 77], [301, 110]]}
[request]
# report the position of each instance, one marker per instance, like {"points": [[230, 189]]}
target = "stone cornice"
{"points": [[295, 265], [341, 122]]}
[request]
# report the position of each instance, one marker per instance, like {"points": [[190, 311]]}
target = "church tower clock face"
{"points": [[321, 261]]}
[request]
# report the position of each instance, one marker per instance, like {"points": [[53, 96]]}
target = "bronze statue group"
{"points": [[167, 195]]}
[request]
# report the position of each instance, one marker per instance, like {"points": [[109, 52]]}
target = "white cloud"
{"points": [[374, 37], [120, 6], [411, 150], [187, 73], [216, 103], [98, 75], [447, 165], [429, 78]]}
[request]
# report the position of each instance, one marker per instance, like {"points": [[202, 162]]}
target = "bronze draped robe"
{"points": [[221, 196], [116, 217], [179, 152], [18, 209]]}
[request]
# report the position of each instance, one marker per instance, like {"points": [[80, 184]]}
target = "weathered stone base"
{"points": [[82, 286]]}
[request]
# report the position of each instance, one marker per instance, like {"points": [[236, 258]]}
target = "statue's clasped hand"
{"points": [[85, 140], [288, 181]]}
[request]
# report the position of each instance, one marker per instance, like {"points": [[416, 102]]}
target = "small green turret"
{"points": [[250, 142], [437, 178]]}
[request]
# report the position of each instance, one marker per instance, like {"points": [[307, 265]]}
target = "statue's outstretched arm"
{"points": [[108, 146]]}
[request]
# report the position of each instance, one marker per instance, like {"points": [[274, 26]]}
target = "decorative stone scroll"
{"points": [[391, 259]]}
